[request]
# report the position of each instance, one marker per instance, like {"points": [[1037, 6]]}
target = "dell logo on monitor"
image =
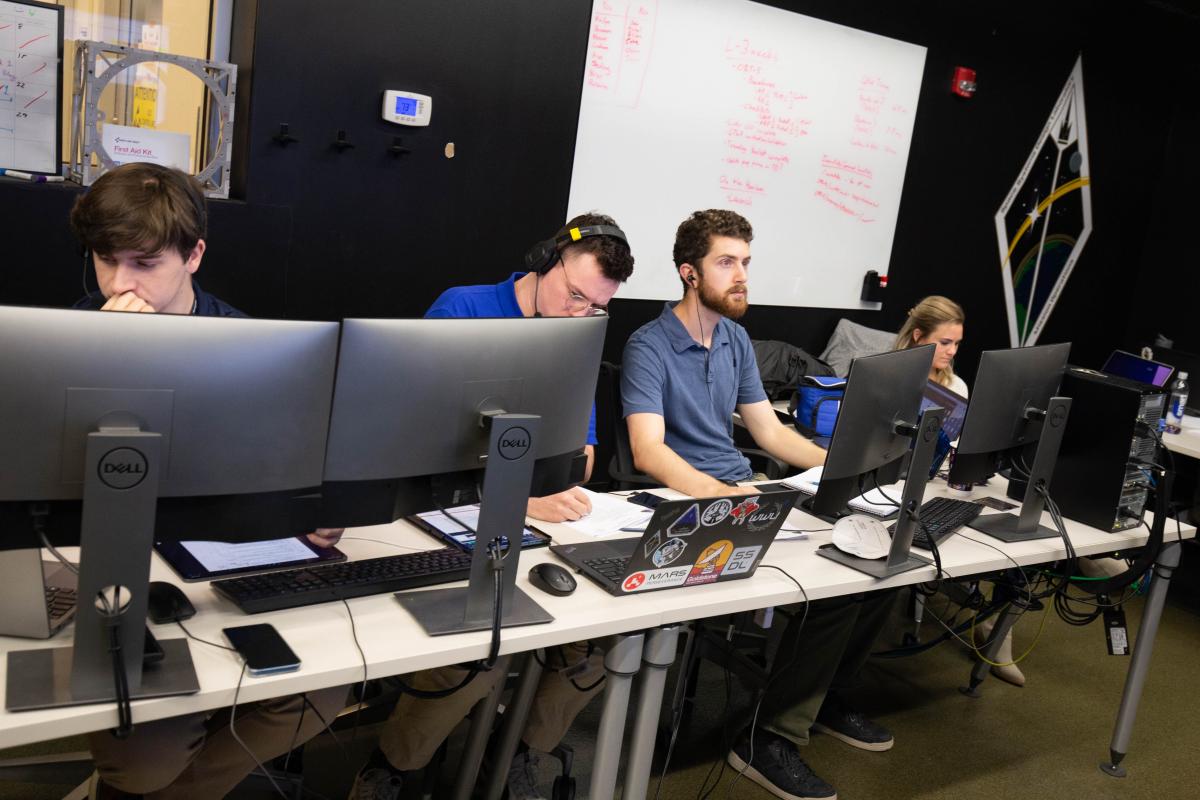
{"points": [[514, 443], [122, 468]]}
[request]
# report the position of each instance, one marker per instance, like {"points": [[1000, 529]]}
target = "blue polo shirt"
{"points": [[663, 372], [206, 304], [489, 300]]}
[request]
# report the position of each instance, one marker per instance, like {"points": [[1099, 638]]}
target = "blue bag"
{"points": [[818, 400]]}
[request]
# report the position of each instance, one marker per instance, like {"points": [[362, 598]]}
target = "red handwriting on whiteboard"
{"points": [[620, 45], [845, 186]]}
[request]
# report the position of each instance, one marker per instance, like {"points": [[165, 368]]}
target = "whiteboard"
{"points": [[800, 125], [30, 73]]}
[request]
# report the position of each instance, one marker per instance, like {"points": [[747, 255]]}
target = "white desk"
{"points": [[395, 644], [1186, 443]]}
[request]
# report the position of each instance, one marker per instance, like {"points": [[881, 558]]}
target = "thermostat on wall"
{"points": [[407, 108]]}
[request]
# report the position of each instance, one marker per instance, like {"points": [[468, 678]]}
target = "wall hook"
{"points": [[398, 149], [341, 143], [283, 138]]}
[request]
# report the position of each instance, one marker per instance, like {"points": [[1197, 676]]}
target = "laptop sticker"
{"points": [[669, 553], [717, 512], [741, 560], [652, 542], [687, 522], [712, 559], [744, 509], [644, 580], [764, 517]]}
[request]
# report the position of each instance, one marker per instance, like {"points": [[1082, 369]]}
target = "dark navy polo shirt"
{"points": [[490, 300], [663, 372], [206, 304]]}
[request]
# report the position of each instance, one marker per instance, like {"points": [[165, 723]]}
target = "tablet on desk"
{"points": [[202, 561], [458, 528]]}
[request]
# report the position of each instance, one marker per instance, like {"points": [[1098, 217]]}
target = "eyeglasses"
{"points": [[577, 301]]}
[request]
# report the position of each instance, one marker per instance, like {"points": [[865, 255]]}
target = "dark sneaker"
{"points": [[376, 783], [852, 727], [778, 768]]}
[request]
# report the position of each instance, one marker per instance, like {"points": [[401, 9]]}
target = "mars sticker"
{"points": [[744, 509], [666, 555], [656, 579], [687, 522], [742, 560], [716, 512], [712, 558]]}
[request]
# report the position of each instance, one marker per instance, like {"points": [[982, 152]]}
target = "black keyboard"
{"points": [[941, 517], [612, 568], [323, 584]]}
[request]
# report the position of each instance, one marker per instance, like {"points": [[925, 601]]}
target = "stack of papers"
{"points": [[872, 502], [609, 515]]}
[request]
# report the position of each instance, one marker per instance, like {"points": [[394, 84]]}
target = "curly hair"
{"points": [[694, 236], [612, 254]]}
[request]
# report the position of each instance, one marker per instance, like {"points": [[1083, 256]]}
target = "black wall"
{"points": [[322, 234]]}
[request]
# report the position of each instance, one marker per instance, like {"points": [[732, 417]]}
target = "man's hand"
{"points": [[732, 491], [562, 507], [326, 537], [127, 302]]}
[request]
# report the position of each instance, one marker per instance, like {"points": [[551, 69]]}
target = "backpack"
{"points": [[782, 365], [816, 404]]}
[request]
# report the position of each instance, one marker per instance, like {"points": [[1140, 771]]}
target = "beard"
{"points": [[732, 304]]}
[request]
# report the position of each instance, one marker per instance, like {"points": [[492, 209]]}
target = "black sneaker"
{"points": [[778, 768], [852, 727]]}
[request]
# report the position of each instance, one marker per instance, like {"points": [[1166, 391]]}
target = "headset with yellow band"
{"points": [[542, 257]]}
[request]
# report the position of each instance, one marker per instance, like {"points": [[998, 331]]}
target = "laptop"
{"points": [[686, 542], [1136, 368], [38, 596], [955, 406]]}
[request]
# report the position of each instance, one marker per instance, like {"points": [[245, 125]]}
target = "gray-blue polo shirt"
{"points": [[663, 372]]}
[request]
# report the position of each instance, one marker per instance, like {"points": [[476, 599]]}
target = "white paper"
{"points": [[872, 502], [609, 515], [221, 556]]}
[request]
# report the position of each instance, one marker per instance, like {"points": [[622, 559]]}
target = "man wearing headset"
{"points": [[682, 377], [573, 275], [144, 226]]}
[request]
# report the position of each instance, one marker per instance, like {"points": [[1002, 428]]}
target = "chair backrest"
{"points": [[611, 430]]}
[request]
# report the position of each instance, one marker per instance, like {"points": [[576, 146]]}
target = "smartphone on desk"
{"points": [[645, 499], [265, 651]]}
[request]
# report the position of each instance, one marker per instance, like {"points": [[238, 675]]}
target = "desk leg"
{"points": [[1011, 614], [1139, 663], [657, 656], [483, 715], [514, 723], [621, 663]]}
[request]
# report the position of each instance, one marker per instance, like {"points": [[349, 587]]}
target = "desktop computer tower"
{"points": [[1099, 479]]}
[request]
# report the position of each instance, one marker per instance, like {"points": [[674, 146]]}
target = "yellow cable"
{"points": [[1015, 661]]}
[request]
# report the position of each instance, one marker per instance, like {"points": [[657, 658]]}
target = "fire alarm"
{"points": [[963, 84]]}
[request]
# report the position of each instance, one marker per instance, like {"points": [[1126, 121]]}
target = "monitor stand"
{"points": [[120, 494], [899, 558], [1025, 526], [506, 481]]}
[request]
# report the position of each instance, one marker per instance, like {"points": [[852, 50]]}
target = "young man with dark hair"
{"points": [[144, 226], [682, 377], [583, 273]]}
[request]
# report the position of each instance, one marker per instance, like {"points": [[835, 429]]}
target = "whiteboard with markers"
{"points": [[30, 85], [801, 125]]}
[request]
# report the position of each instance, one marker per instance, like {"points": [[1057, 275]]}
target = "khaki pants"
{"points": [[830, 651], [196, 756], [417, 726]]}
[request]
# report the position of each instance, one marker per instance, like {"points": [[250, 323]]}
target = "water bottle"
{"points": [[1175, 406]]}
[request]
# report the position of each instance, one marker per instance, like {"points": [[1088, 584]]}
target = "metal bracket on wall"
{"points": [[98, 63], [341, 143]]}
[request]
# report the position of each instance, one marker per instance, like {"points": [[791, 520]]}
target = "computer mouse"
{"points": [[168, 603], [552, 579], [861, 535]]}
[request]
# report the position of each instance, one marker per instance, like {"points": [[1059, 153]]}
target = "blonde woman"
{"points": [[939, 321]]}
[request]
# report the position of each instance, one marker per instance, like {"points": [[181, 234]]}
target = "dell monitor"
{"points": [[1014, 405], [431, 413], [121, 420], [876, 425]]}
